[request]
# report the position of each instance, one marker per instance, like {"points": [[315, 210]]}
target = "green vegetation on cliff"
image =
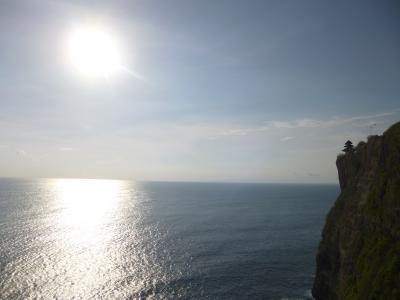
{"points": [[359, 255]]}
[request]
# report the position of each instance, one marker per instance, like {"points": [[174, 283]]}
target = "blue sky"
{"points": [[264, 91]]}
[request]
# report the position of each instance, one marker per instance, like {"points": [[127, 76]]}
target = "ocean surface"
{"points": [[109, 239]]}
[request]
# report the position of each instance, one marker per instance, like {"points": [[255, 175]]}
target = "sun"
{"points": [[94, 52]]}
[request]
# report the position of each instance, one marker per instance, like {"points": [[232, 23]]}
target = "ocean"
{"points": [[110, 239]]}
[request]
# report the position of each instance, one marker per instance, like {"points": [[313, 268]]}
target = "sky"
{"points": [[211, 90]]}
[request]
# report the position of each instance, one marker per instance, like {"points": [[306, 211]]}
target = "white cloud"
{"points": [[66, 148], [287, 138], [335, 121], [21, 152], [306, 123]]}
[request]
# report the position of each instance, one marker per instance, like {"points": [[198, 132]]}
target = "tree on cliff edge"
{"points": [[348, 147]]}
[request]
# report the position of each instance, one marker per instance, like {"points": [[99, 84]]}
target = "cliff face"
{"points": [[359, 254]]}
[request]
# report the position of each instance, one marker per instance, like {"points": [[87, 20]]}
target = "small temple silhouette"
{"points": [[348, 147]]}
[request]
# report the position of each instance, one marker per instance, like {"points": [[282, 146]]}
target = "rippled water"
{"points": [[65, 238]]}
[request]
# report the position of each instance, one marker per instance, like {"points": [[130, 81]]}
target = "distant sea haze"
{"points": [[64, 238]]}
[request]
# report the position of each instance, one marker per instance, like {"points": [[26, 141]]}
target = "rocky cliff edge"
{"points": [[359, 254]]}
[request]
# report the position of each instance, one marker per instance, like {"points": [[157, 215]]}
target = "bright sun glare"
{"points": [[94, 52]]}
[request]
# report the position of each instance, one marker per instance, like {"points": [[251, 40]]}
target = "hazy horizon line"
{"points": [[170, 181]]}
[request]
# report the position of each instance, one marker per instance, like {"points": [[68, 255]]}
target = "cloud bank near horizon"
{"points": [[280, 151]]}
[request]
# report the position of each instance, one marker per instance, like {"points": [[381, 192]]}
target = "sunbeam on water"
{"points": [[80, 238], [86, 210], [87, 207]]}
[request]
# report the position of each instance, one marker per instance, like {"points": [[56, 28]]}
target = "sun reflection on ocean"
{"points": [[87, 206], [87, 213], [87, 239]]}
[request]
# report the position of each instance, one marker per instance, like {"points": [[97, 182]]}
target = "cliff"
{"points": [[359, 254]]}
